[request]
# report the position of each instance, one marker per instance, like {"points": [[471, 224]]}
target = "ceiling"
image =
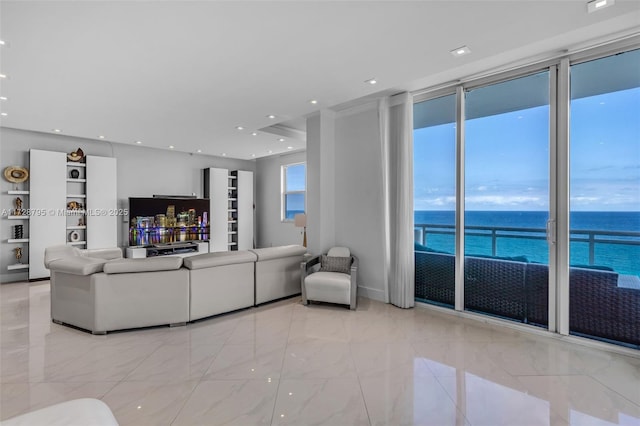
{"points": [[188, 73]]}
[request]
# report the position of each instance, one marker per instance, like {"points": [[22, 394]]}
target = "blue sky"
{"points": [[507, 163], [296, 181]]}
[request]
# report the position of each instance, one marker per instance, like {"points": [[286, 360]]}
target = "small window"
{"points": [[294, 188]]}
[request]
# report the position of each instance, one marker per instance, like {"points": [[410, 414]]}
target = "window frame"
{"points": [[284, 192]]}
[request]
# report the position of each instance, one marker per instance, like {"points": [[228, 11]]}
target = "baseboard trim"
{"points": [[371, 293]]}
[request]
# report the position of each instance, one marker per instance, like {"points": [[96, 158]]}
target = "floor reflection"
{"points": [[285, 363]]}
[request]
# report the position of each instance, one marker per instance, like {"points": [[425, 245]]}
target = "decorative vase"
{"points": [[18, 232]]}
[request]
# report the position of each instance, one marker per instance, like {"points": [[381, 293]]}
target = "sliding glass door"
{"points": [[546, 163], [434, 141], [507, 199], [604, 277]]}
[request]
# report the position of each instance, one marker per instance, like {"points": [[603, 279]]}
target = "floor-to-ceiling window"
{"points": [[506, 196], [604, 284], [434, 141], [550, 183]]}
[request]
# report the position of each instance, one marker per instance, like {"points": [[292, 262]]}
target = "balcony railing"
{"points": [[592, 238]]}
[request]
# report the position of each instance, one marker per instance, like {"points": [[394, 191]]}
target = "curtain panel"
{"points": [[396, 134]]}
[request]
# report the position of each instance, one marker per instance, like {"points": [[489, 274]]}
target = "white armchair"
{"points": [[334, 282]]}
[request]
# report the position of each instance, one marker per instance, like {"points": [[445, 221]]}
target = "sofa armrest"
{"points": [[77, 265]]}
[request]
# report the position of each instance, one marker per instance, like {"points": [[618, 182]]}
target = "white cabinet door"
{"points": [[218, 194], [48, 195], [102, 202]]}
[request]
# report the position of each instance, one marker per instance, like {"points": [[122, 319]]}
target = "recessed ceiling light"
{"points": [[224, 154], [1, 42], [596, 5], [101, 137], [3, 98], [254, 134], [239, 128], [281, 140], [138, 142], [171, 146], [289, 147], [253, 155], [56, 130], [460, 51], [271, 116], [313, 101], [371, 81], [270, 152], [3, 76], [4, 114]]}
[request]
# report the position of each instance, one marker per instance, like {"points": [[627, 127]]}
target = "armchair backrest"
{"points": [[339, 252]]}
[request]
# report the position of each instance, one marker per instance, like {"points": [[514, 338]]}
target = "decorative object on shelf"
{"points": [[74, 236], [76, 156], [18, 210], [18, 251], [300, 221], [74, 205], [18, 232], [74, 173], [16, 174], [80, 222]]}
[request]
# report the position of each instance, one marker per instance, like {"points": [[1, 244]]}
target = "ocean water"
{"points": [[616, 252]]}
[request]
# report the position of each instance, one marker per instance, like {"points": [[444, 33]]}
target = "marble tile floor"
{"points": [[285, 363]]}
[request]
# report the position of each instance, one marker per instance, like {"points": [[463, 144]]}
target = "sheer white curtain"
{"points": [[396, 135]]}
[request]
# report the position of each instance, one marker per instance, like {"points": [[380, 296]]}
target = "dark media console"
{"points": [[188, 248]]}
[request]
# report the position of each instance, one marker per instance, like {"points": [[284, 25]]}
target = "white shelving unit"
{"points": [[51, 188], [24, 264], [243, 205], [76, 192], [230, 196]]}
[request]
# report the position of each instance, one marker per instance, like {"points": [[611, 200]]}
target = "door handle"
{"points": [[551, 231]]}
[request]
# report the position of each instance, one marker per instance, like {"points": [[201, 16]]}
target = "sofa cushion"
{"points": [[149, 264], [279, 252], [103, 253], [335, 264], [339, 252], [77, 265], [208, 260]]}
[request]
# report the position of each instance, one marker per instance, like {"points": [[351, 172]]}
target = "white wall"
{"points": [[271, 231], [345, 190], [358, 194], [142, 172]]}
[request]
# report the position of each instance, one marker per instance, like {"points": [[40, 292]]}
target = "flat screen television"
{"points": [[162, 220]]}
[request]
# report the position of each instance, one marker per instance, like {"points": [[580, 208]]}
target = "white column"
{"points": [[321, 181]]}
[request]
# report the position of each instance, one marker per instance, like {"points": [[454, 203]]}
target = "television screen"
{"points": [[161, 220]]}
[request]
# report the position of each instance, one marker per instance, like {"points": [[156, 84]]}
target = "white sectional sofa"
{"points": [[278, 272], [99, 291], [220, 282]]}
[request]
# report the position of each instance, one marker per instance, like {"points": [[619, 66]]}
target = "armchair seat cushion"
{"points": [[332, 287]]}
